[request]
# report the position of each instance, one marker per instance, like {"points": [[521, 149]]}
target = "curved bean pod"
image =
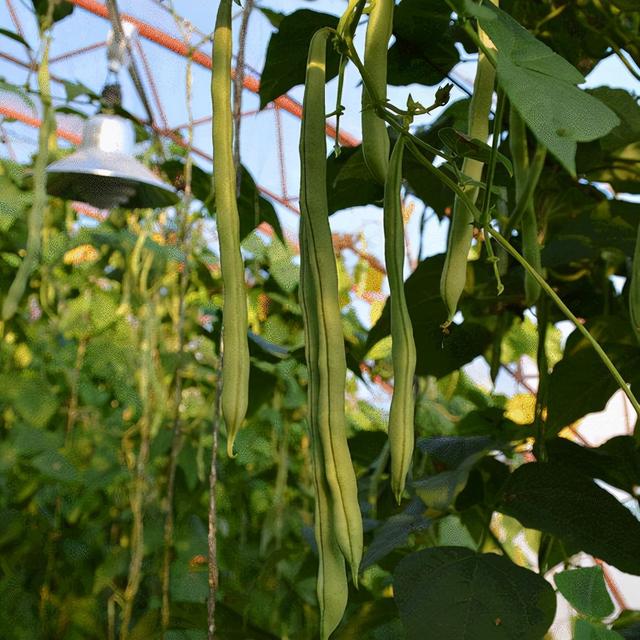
{"points": [[375, 141], [322, 312], [235, 365], [454, 272], [403, 349]]}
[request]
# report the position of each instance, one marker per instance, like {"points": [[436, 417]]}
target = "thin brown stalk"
{"points": [[212, 531], [176, 438], [238, 82]]}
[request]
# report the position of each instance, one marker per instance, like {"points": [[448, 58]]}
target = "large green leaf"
{"points": [[34, 399], [395, 532], [349, 181], [541, 86], [563, 502], [580, 383], [586, 591], [453, 592], [437, 354], [286, 60], [615, 158], [586, 630], [440, 491], [424, 47], [55, 466], [616, 462]]}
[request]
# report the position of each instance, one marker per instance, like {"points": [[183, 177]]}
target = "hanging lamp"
{"points": [[103, 171]]}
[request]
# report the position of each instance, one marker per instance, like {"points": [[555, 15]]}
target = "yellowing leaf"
{"points": [[521, 408], [81, 255]]}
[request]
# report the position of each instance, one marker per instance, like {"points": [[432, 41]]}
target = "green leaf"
{"points": [[35, 400], [580, 383], [286, 61], [628, 624], [560, 501], [18, 91], [541, 86], [55, 466], [453, 592], [465, 147], [424, 45], [559, 114], [349, 181], [440, 491], [452, 451], [616, 462], [586, 630], [14, 36], [62, 9], [395, 533], [89, 314], [437, 354], [274, 17], [518, 45], [615, 158], [201, 180], [77, 89], [586, 591], [254, 209]]}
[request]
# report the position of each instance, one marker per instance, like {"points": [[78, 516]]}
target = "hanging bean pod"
{"points": [[401, 415], [235, 365]]}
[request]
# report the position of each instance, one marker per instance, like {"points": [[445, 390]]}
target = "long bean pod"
{"points": [[235, 366], [529, 223], [375, 141], [634, 289], [321, 302], [403, 349], [454, 272], [331, 584]]}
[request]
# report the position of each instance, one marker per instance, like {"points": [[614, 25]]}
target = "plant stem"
{"points": [[147, 346], [526, 197], [212, 524], [491, 169], [36, 214], [542, 308]]}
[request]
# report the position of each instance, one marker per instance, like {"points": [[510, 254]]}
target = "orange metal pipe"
{"points": [[177, 46], [74, 138]]}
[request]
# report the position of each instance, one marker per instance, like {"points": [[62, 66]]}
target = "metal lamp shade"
{"points": [[104, 173]]}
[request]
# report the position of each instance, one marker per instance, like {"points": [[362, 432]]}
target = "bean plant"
{"points": [[457, 510]]}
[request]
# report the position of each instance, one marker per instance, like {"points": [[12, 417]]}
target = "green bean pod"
{"points": [[331, 584], [403, 349], [529, 222], [454, 272], [322, 312], [235, 365], [634, 289], [375, 141]]}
